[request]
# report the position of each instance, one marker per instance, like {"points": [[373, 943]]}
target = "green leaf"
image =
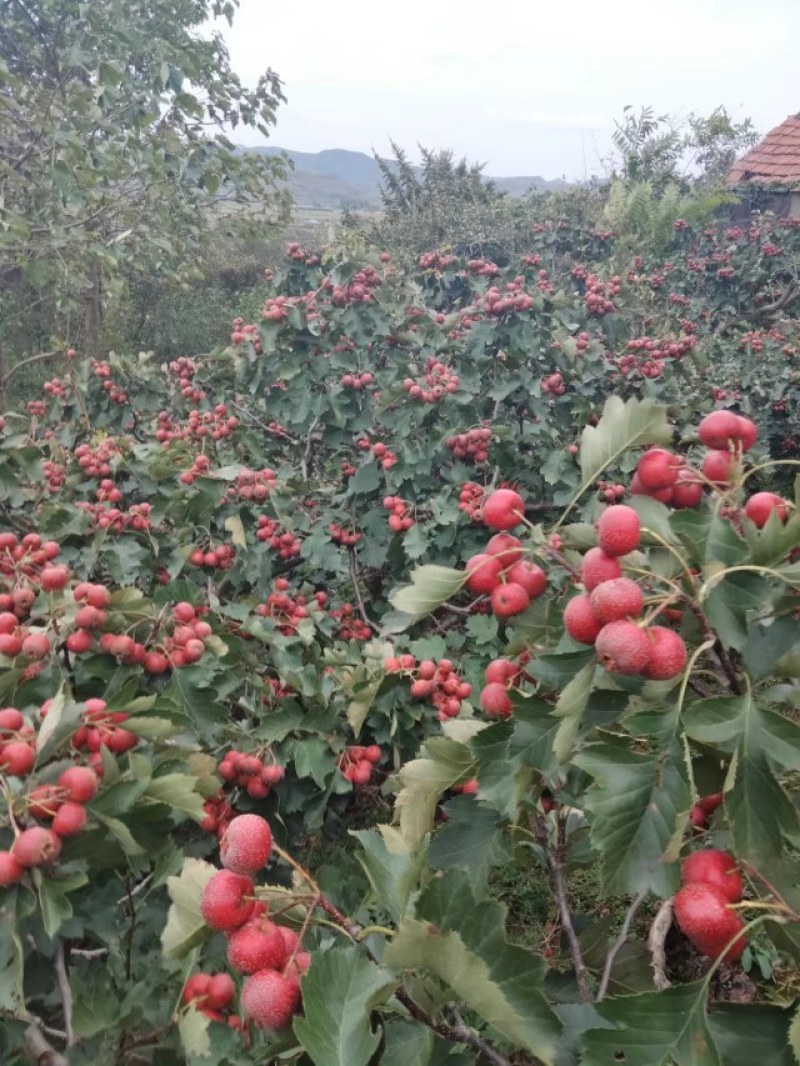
{"points": [[121, 832], [666, 1028], [729, 720], [763, 819], [635, 806], [729, 603], [12, 960], [178, 791], [365, 479], [622, 426], [340, 991], [392, 869], [754, 1033], [570, 707], [430, 587], [406, 1044], [510, 1003], [185, 926], [466, 839], [794, 1035], [195, 1037], [423, 781]]}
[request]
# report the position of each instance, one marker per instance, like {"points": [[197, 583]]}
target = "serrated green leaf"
{"points": [[794, 1035], [392, 869], [635, 807], [195, 1037], [430, 587], [340, 991], [667, 1028], [570, 707], [185, 926], [179, 791], [423, 781], [121, 833], [622, 426]]}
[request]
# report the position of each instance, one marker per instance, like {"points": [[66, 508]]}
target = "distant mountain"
{"points": [[337, 178]]}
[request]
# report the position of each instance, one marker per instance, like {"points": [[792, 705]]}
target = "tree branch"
{"points": [[38, 1050], [617, 946], [66, 992], [655, 942]]}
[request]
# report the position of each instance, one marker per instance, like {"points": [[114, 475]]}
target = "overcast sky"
{"points": [[526, 86]]}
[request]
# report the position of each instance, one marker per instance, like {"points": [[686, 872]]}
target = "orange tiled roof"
{"points": [[775, 159]]}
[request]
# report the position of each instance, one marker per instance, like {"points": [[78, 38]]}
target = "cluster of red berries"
{"points": [[646, 355], [97, 461], [554, 385], [483, 268], [351, 625], [216, 424], [347, 538], [62, 804], [384, 455], [474, 444], [666, 477], [36, 408], [436, 261], [400, 518], [439, 683], [500, 571], [286, 609], [296, 251], [284, 543], [242, 332], [114, 519], [253, 484], [358, 290], [217, 814], [251, 773], [598, 295], [470, 500], [703, 809], [438, 380], [220, 558], [56, 388], [357, 381], [497, 302], [502, 675], [611, 491], [702, 906], [269, 955], [103, 370], [54, 475], [357, 764], [101, 728], [604, 614], [212, 995], [184, 369]]}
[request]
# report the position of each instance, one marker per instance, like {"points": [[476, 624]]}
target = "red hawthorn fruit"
{"points": [[703, 914], [80, 641], [11, 719], [509, 599], [503, 509], [687, 491], [748, 433], [53, 578], [495, 700], [291, 939], [220, 991], [718, 467], [499, 671], [713, 867], [297, 968], [719, 430], [530, 576], [579, 620], [246, 844], [35, 646], [69, 820], [484, 573], [257, 945], [80, 783], [36, 847], [195, 987], [762, 504], [506, 547], [11, 869], [667, 654], [44, 801], [270, 1000], [224, 903], [598, 567], [658, 469], [615, 599], [17, 758], [618, 530], [623, 648]]}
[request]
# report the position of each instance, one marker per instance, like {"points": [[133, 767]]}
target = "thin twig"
{"points": [[359, 600], [471, 1038], [617, 946], [554, 861], [307, 453], [655, 943], [38, 1050], [66, 992]]}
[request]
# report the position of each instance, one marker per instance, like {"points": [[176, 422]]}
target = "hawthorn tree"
{"points": [[115, 149]]}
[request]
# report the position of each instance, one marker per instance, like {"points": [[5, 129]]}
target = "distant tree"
{"points": [[715, 141], [112, 144], [650, 147], [441, 203]]}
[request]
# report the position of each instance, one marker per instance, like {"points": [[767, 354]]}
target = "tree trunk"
{"points": [[93, 316]]}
